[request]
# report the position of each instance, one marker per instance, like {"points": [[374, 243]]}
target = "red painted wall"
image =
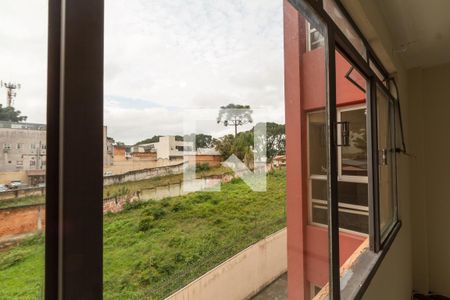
{"points": [[305, 90], [314, 76], [294, 216]]}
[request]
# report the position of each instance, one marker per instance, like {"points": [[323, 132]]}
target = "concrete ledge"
{"points": [[243, 275]]}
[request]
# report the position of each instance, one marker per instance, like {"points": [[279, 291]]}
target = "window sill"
{"points": [[358, 271]]}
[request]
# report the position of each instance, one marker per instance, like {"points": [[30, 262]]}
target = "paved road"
{"points": [[277, 290]]}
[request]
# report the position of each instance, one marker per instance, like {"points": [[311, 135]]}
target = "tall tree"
{"points": [[235, 115], [11, 115]]}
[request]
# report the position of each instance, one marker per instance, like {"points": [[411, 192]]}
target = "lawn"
{"points": [[152, 249]]}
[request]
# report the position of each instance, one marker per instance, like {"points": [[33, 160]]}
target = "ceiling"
{"points": [[420, 30]]}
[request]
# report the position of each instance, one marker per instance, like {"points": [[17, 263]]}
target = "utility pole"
{"points": [[10, 91]]}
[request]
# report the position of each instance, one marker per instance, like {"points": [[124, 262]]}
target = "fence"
{"points": [[12, 194]]}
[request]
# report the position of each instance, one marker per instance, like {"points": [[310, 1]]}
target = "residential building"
{"points": [[166, 148], [108, 148], [23, 146], [120, 153], [209, 156]]}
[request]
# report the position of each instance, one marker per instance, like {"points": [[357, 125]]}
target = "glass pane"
{"points": [[23, 75], [386, 156], [341, 21], [353, 205], [194, 156], [354, 155], [317, 144], [352, 160]]}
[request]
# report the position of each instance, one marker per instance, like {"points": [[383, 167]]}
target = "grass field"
{"points": [[152, 249]]}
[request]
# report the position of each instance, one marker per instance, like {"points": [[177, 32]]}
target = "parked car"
{"points": [[3, 188], [15, 184]]}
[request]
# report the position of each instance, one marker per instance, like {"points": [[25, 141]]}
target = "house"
{"points": [[168, 147], [209, 156], [119, 153], [279, 161]]}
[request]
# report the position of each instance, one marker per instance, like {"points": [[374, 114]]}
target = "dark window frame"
{"points": [[337, 41], [74, 214]]}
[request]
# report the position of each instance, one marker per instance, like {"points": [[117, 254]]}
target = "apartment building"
{"points": [[166, 148], [23, 146]]}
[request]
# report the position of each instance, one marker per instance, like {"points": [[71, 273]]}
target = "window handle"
{"points": [[383, 157], [345, 134]]}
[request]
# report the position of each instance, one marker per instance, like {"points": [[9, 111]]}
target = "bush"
{"points": [[156, 212], [203, 167], [133, 205], [145, 224], [201, 197]]}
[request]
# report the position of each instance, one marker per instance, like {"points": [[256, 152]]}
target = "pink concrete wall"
{"points": [[305, 90]]}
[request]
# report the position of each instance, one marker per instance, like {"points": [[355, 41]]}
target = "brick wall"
{"points": [[19, 220]]}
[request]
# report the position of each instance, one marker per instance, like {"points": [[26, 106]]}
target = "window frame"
{"points": [[351, 179], [337, 41], [73, 254]]}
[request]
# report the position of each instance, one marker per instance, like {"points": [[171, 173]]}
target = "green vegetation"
{"points": [[23, 201], [11, 114], [133, 186], [22, 270], [152, 249], [125, 188], [242, 144]]}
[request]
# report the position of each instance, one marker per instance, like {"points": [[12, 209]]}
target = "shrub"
{"points": [[145, 224], [133, 205], [156, 212], [203, 167], [201, 197]]}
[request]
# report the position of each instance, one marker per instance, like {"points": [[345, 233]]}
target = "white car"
{"points": [[3, 188], [15, 184]]}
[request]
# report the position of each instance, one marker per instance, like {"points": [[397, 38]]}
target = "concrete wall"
{"points": [[123, 166], [7, 177], [143, 174], [430, 177], [117, 203], [231, 280], [12, 194]]}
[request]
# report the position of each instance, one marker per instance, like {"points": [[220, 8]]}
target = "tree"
{"points": [[276, 140], [240, 145], [201, 140], [10, 114], [235, 115], [153, 139], [225, 145]]}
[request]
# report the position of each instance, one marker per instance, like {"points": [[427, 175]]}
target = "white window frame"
{"points": [[309, 31], [320, 203]]}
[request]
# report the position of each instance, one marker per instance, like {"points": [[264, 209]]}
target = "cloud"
{"points": [[161, 58]]}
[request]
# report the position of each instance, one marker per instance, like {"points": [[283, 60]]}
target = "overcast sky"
{"points": [[163, 60]]}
